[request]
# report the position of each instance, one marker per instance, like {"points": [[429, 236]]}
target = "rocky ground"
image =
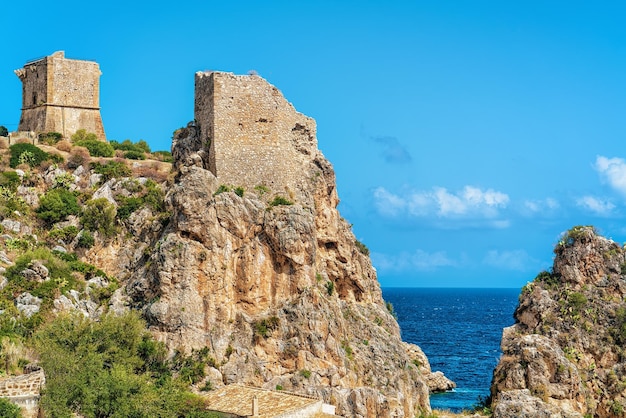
{"points": [[565, 356]]}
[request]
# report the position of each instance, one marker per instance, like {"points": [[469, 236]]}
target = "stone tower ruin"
{"points": [[60, 95], [252, 134]]}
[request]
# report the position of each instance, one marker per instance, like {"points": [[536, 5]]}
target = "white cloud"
{"points": [[469, 203], [597, 206], [613, 171], [418, 260], [510, 260], [541, 206]]}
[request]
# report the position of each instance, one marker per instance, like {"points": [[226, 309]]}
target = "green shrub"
{"points": [[239, 191], [154, 197], [4, 131], [330, 288], [56, 205], [164, 156], [7, 408], [85, 240], [390, 309], [64, 234], [97, 148], [111, 169], [50, 138], [362, 247], [135, 155], [108, 368], [99, 215], [10, 179], [24, 153], [222, 189], [128, 205], [264, 327], [279, 200], [83, 135], [305, 373]]}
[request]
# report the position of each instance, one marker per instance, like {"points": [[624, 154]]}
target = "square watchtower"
{"points": [[60, 95]]}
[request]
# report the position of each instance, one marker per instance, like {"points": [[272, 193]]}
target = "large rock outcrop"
{"points": [[564, 357], [271, 279]]}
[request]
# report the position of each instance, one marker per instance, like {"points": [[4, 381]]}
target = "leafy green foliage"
{"points": [[135, 155], [24, 153], [390, 309], [10, 180], [10, 202], [330, 288], [65, 234], [164, 156], [127, 145], [99, 215], [50, 138], [4, 131], [86, 240], [56, 205], [362, 247], [83, 135], [127, 205], [111, 169], [190, 369], [222, 189], [264, 327], [9, 409], [279, 200], [108, 368], [97, 148]]}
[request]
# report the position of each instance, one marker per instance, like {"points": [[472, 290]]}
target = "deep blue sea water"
{"points": [[460, 332]]}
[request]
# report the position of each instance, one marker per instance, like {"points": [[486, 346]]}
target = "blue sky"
{"points": [[466, 136]]}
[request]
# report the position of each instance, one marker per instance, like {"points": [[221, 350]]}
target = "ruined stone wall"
{"points": [[60, 95], [253, 135], [24, 391]]}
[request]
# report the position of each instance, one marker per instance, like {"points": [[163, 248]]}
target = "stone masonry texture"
{"points": [[253, 135], [60, 95]]}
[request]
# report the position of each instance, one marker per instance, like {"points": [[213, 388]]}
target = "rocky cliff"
{"points": [[565, 355], [274, 284]]}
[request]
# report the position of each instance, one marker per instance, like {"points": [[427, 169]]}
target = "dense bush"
{"points": [[111, 169], [56, 205], [97, 148], [4, 131], [99, 215], [85, 240], [9, 409], [110, 368], [25, 153], [83, 135], [135, 155], [127, 145], [50, 138]]}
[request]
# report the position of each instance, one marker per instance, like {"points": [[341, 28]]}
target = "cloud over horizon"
{"points": [[595, 205], [470, 203], [612, 171]]}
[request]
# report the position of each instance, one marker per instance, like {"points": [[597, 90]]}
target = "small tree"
{"points": [[83, 135], [99, 215], [4, 131], [56, 205]]}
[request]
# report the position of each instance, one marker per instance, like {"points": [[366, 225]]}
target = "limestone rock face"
{"points": [[279, 293], [564, 356]]}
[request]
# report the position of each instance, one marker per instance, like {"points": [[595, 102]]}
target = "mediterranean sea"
{"points": [[460, 332]]}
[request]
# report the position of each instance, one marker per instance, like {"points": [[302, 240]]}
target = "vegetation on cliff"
{"points": [[565, 354]]}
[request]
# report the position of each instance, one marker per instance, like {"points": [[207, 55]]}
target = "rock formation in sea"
{"points": [[565, 357], [257, 265]]}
